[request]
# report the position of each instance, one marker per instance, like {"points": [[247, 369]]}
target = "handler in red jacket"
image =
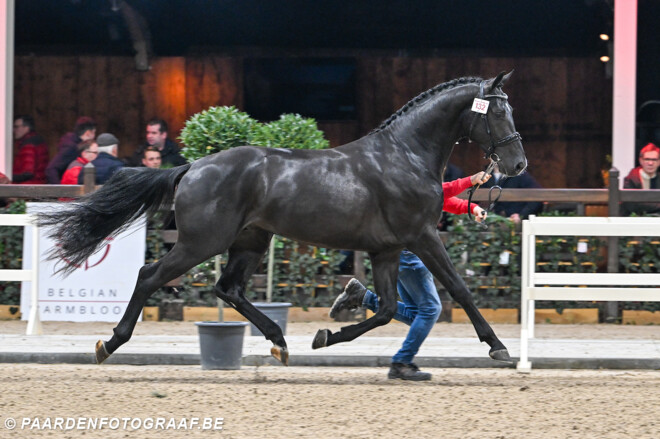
{"points": [[31, 153], [420, 304]]}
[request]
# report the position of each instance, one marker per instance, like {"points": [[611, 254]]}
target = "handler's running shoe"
{"points": [[408, 372], [350, 298]]}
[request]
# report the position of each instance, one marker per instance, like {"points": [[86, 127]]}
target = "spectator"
{"points": [[31, 153], [67, 149], [452, 172], [106, 163], [514, 210], [151, 157], [644, 176], [88, 151], [156, 136]]}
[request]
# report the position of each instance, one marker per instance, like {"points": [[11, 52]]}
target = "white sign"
{"points": [[97, 291], [480, 105]]}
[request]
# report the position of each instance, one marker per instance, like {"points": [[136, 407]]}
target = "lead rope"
{"points": [[491, 202]]}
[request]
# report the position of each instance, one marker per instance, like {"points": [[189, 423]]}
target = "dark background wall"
{"points": [[562, 105]]}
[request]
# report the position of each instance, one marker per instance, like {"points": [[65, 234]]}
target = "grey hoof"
{"points": [[321, 339], [101, 353], [500, 355], [281, 354]]}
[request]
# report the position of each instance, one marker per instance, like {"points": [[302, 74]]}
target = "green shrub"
{"points": [[290, 131], [221, 128], [215, 130]]}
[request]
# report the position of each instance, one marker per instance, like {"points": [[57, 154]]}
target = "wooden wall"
{"points": [[56, 90], [562, 106]]}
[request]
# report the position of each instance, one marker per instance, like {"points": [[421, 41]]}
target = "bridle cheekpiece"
{"points": [[480, 108]]}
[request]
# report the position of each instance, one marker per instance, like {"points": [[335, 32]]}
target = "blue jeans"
{"points": [[420, 307]]}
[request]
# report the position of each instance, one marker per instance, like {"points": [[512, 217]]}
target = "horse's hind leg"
{"points": [[385, 272], [244, 256], [151, 277], [433, 254]]}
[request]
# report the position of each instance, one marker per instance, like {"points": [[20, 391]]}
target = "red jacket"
{"points": [[452, 204], [71, 174], [31, 160], [634, 181]]}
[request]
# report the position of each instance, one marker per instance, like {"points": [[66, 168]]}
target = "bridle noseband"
{"points": [[490, 152]]}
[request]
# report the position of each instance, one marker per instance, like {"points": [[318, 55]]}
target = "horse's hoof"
{"points": [[500, 355], [321, 339], [101, 353], [282, 354]]}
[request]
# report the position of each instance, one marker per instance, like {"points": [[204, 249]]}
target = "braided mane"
{"points": [[425, 96]]}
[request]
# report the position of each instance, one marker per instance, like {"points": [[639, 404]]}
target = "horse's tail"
{"points": [[79, 227]]}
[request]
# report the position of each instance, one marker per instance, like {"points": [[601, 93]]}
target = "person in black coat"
{"points": [[156, 136], [106, 163], [67, 149], [514, 210]]}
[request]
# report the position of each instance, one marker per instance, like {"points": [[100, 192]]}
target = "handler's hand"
{"points": [[479, 178], [479, 214]]}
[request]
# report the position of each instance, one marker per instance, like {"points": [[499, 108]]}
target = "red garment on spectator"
{"points": [[75, 168], [31, 159]]}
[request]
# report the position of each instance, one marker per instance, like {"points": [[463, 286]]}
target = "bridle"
{"points": [[490, 152]]}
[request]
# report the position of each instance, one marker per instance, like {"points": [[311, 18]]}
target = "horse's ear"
{"points": [[500, 80], [506, 77]]}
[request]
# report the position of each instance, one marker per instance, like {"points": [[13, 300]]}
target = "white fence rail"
{"points": [[34, 323], [579, 286]]}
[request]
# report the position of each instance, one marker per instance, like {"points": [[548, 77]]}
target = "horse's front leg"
{"points": [[385, 271], [433, 254]]}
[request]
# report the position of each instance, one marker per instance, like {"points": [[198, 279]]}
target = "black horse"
{"points": [[379, 194]]}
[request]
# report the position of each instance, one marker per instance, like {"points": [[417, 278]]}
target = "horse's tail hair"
{"points": [[79, 227]]}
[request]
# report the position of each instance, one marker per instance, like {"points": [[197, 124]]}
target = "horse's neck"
{"points": [[432, 130]]}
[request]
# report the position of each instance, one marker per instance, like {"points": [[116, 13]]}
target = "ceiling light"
{"points": [[604, 37]]}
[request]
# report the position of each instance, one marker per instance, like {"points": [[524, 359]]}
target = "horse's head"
{"points": [[493, 129]]}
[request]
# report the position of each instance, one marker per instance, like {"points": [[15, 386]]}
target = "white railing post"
{"points": [[31, 275], [34, 321]]}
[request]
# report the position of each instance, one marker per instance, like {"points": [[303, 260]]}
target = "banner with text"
{"points": [[97, 291]]}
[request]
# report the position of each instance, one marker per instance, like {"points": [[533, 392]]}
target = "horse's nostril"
{"points": [[520, 167]]}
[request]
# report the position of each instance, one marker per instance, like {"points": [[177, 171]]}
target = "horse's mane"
{"points": [[425, 96]]}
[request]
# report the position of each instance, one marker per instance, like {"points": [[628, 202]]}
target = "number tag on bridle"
{"points": [[480, 106]]}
